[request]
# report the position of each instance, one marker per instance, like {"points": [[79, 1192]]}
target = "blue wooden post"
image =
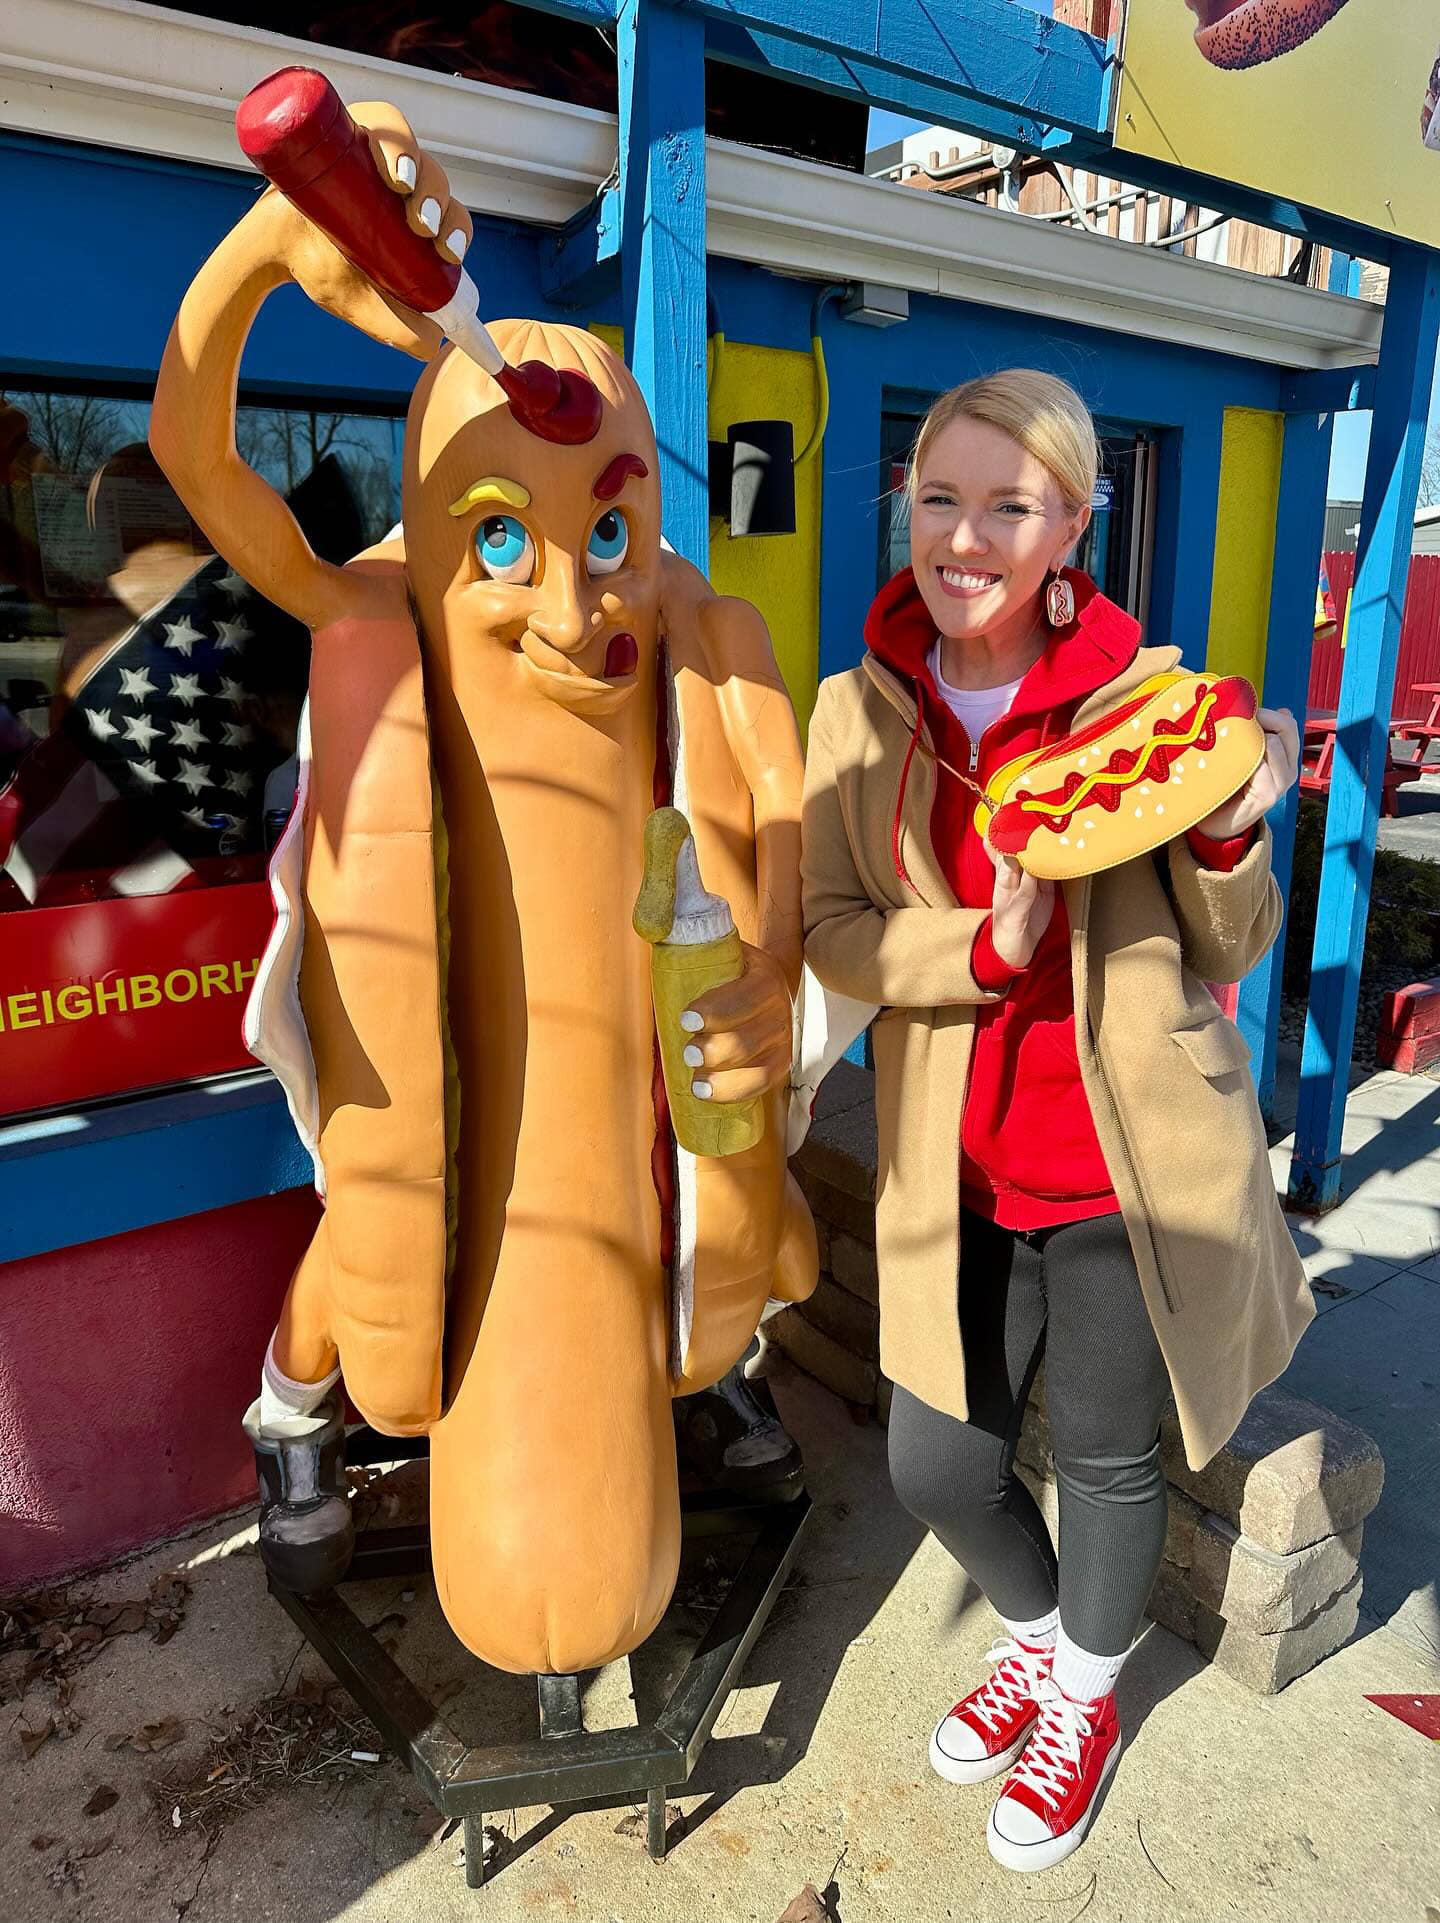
{"points": [[662, 186], [1299, 532], [850, 483], [1362, 744]]}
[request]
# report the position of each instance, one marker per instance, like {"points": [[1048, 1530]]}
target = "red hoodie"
{"points": [[1030, 1157]]}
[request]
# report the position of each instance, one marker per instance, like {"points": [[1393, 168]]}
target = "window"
{"points": [[149, 702]]}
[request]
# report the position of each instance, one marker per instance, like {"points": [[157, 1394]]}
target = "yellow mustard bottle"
{"points": [[694, 947]]}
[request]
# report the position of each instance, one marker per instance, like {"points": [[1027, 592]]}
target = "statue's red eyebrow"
{"points": [[617, 474]]}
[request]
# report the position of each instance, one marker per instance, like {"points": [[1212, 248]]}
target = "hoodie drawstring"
{"points": [[1048, 733]]}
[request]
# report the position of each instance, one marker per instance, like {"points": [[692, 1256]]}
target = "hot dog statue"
{"points": [[514, 1257], [1132, 781]]}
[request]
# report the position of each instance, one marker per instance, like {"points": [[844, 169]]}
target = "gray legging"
{"points": [[1071, 1294]]}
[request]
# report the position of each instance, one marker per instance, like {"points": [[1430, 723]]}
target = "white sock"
{"points": [[1039, 1634], [1079, 1675], [282, 1398]]}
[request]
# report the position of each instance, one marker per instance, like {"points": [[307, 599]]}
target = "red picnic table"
{"points": [[1422, 733], [1317, 753]]}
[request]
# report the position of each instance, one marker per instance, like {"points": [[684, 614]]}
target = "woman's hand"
{"points": [[740, 1036], [1020, 910], [1275, 777]]}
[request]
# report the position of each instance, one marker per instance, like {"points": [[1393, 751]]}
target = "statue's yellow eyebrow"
{"points": [[494, 487]]}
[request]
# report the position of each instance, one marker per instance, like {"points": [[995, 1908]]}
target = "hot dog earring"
{"points": [[1059, 601]]}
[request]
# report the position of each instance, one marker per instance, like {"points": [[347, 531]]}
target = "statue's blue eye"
{"points": [[609, 543], [505, 550]]}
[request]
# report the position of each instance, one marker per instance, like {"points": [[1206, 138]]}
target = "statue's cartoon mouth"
{"points": [[563, 681]]}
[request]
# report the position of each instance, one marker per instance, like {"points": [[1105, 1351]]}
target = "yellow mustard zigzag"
{"points": [[1136, 773]]}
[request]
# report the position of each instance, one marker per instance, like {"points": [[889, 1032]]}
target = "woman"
{"points": [[1093, 1168]]}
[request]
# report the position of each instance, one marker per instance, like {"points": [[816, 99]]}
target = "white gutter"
{"points": [[122, 74]]}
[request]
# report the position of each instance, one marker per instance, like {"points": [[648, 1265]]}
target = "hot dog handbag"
{"points": [[1127, 784]]}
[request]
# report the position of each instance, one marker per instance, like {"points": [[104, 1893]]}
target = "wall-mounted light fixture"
{"points": [[752, 471]]}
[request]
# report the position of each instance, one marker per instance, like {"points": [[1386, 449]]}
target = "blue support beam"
{"points": [[854, 77], [1362, 744], [1328, 390], [1299, 532], [583, 265], [663, 270], [991, 52]]}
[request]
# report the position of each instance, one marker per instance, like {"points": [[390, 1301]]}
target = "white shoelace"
{"points": [[1053, 1755], [1017, 1677]]}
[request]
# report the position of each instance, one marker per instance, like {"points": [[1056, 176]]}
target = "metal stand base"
{"points": [[566, 1763]]}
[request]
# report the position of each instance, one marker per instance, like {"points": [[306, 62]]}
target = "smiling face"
{"points": [[547, 554], [988, 525]]}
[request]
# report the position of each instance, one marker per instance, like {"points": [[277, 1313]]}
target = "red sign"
{"points": [[103, 997]]}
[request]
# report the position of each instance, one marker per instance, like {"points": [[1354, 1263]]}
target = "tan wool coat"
{"points": [[1166, 1073]]}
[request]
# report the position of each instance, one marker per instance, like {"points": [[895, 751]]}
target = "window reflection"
{"points": [[149, 698]]}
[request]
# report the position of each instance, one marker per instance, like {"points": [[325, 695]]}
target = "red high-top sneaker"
{"points": [[1050, 1797], [986, 1731]]}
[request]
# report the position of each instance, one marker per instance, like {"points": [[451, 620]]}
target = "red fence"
{"points": [[1419, 638]]}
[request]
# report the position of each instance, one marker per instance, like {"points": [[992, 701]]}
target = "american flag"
{"points": [[155, 779]]}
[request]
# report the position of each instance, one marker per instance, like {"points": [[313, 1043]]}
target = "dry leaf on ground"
{"points": [[807, 1907], [637, 1823], [150, 1737], [33, 1739], [105, 1797]]}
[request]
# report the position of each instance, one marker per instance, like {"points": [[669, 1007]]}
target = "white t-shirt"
{"points": [[976, 709]]}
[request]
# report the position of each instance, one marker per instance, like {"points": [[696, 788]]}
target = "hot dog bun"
{"points": [[1130, 782], [1244, 33]]}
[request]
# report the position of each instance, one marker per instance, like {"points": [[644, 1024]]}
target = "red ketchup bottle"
{"points": [[294, 127], [296, 130]]}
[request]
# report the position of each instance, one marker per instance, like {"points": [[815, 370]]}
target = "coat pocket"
{"points": [[1216, 1047]]}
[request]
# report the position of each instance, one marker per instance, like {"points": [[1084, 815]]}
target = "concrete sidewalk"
{"points": [[1311, 1805], [1373, 1353]]}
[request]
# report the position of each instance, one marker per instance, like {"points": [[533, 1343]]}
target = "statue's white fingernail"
{"points": [[701, 1091], [405, 170], [692, 1057], [430, 216], [458, 242], [691, 1022]]}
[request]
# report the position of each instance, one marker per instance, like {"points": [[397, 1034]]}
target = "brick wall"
{"points": [[1261, 1568]]}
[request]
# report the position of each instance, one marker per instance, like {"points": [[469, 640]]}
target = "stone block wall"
{"points": [[1262, 1559]]}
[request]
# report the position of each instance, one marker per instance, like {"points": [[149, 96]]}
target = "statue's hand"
{"points": [[331, 281], [746, 1039]]}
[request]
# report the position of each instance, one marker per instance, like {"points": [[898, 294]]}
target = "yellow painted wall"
{"points": [[1251, 448], [779, 573]]}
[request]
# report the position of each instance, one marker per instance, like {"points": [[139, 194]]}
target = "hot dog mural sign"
{"points": [[1328, 103]]}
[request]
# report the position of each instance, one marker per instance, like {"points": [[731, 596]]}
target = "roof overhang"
{"points": [[144, 79]]}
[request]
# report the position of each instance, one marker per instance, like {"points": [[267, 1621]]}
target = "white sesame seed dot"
{"points": [[1222, 732], [1144, 791], [1201, 762], [1136, 722], [1175, 707], [1064, 841], [1089, 827], [1138, 813], [1083, 759], [1081, 842], [1159, 807]]}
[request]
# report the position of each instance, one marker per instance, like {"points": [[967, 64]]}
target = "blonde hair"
{"points": [[1045, 415]]}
